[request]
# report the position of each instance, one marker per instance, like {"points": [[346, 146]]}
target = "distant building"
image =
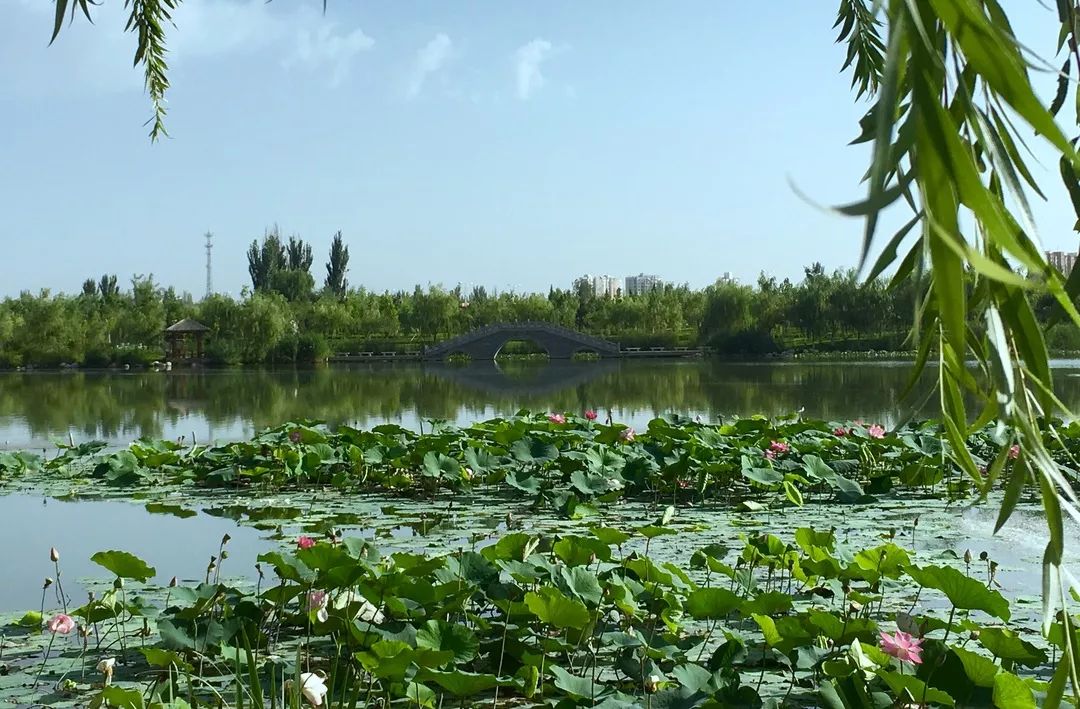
{"points": [[1062, 260], [603, 286], [642, 283]]}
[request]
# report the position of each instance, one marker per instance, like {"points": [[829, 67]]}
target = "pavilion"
{"points": [[178, 339]]}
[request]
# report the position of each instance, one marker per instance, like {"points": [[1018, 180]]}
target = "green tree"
{"points": [[337, 267], [265, 259], [107, 287], [298, 255]]}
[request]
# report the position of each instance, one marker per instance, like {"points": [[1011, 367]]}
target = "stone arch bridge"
{"points": [[485, 343]]}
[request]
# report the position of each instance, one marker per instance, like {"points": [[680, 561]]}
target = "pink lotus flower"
{"points": [[902, 646], [1014, 451], [840, 432], [590, 415], [627, 435], [295, 436], [305, 542], [779, 447], [770, 454], [556, 418], [316, 601], [61, 623], [875, 431]]}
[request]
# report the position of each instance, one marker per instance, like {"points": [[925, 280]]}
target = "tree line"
{"points": [[285, 317]]}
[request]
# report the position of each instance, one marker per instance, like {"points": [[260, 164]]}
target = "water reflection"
{"points": [[79, 529], [227, 404]]}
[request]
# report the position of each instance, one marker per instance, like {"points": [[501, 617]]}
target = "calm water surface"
{"points": [[37, 407]]}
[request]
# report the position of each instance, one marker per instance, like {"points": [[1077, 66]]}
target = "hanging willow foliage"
{"points": [[950, 102]]}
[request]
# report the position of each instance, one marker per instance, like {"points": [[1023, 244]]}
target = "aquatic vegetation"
{"points": [[574, 463], [579, 619]]}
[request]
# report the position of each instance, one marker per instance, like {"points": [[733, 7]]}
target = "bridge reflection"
{"points": [[523, 378]]}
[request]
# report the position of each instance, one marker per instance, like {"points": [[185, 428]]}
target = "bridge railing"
{"points": [[550, 328]]}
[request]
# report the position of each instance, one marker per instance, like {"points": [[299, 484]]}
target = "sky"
{"points": [[506, 144]]}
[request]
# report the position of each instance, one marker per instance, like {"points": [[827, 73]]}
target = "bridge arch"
{"points": [[485, 343]]}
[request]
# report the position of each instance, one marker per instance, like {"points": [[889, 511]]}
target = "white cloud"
{"points": [[323, 48], [429, 59], [528, 60], [92, 59]]}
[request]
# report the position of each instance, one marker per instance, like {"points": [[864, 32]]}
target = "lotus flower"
{"points": [[106, 668], [779, 447], [902, 646], [590, 415], [369, 613], [556, 418], [770, 454], [875, 431], [839, 432], [627, 435], [313, 687], [652, 684], [295, 436], [61, 623], [316, 601], [305, 542], [1014, 451]]}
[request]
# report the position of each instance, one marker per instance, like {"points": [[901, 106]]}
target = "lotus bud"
{"points": [[967, 556], [225, 540], [652, 684], [973, 635], [54, 555], [118, 583], [855, 608], [106, 667], [173, 582], [48, 582]]}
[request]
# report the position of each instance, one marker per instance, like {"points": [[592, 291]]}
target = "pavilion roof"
{"points": [[187, 325]]}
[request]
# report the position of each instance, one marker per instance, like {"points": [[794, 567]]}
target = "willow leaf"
{"points": [[996, 57]]}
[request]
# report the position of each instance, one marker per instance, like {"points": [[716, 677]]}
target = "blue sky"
{"points": [[508, 144]]}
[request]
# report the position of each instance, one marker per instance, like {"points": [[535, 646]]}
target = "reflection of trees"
{"points": [[126, 406]]}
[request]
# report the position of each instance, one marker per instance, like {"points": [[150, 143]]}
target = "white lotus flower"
{"points": [[369, 613], [313, 687], [652, 683], [106, 668]]}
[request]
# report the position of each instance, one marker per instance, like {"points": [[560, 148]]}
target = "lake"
{"points": [[37, 407]]}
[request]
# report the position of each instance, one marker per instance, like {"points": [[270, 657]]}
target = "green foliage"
{"points": [[337, 267]]}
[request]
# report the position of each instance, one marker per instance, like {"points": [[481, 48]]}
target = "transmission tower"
{"points": [[209, 273]]}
